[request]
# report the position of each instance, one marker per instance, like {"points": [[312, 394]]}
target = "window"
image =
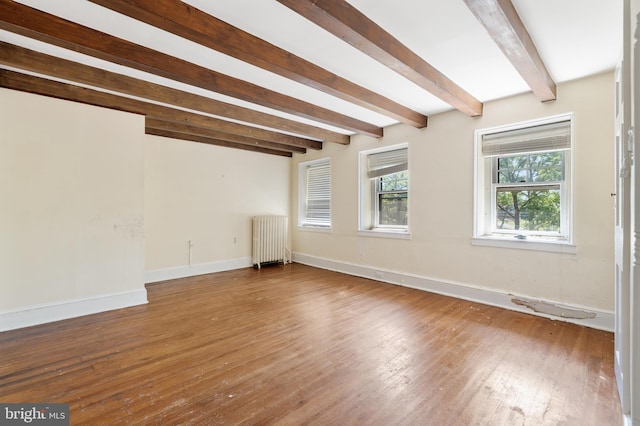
{"points": [[315, 194], [384, 190], [391, 200], [524, 181]]}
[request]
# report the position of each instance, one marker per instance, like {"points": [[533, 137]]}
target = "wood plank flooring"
{"points": [[293, 345]]}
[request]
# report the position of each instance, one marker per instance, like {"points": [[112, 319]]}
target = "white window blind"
{"points": [[546, 137], [318, 194], [387, 162]]}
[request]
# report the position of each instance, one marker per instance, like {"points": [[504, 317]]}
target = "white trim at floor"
{"points": [[198, 269], [603, 320], [41, 314]]}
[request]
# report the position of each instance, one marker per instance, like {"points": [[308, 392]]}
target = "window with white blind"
{"points": [[384, 190], [314, 184], [523, 181]]}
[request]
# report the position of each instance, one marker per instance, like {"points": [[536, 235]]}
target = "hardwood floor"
{"points": [[297, 345]]}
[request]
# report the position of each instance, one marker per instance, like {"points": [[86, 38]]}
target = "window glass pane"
{"points": [[548, 159], [393, 209], [395, 182], [512, 176], [528, 209], [537, 167]]}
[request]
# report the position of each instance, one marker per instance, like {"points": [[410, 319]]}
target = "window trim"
{"points": [[303, 170], [484, 192], [367, 203]]}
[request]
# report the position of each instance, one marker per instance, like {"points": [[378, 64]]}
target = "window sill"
{"points": [[537, 245], [311, 228], [377, 233]]}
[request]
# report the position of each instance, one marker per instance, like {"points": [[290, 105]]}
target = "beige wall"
{"points": [[441, 203], [90, 203], [72, 189], [79, 184], [207, 194]]}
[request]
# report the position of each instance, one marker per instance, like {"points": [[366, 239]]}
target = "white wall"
{"points": [[71, 221], [206, 194], [440, 252]]}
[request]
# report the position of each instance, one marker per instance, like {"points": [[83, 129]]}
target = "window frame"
{"points": [[485, 195], [368, 201], [377, 192], [304, 221], [561, 187]]}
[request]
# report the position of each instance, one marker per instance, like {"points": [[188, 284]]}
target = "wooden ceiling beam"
{"points": [[172, 126], [346, 22], [504, 25], [41, 63], [206, 122], [188, 22], [27, 83], [42, 26], [212, 141]]}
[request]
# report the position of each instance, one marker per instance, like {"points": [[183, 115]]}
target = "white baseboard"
{"points": [[41, 314], [199, 269], [603, 320]]}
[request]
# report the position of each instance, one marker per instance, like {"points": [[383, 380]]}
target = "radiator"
{"points": [[270, 240]]}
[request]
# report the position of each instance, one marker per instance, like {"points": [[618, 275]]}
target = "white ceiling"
{"points": [[575, 38]]}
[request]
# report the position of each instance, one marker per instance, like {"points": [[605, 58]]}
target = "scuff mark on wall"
{"points": [[555, 310], [133, 229]]}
